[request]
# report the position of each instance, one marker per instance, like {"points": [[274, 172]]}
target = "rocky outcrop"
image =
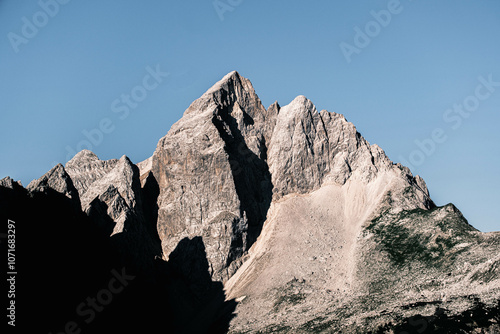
{"points": [[85, 167], [56, 179], [8, 182], [109, 192], [213, 178], [220, 166], [145, 169], [109, 185], [309, 149]]}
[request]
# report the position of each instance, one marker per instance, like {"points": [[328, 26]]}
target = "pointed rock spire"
{"points": [[8, 182], [56, 179]]}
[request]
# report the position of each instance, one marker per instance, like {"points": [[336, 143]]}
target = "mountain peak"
{"points": [[232, 89], [83, 155], [299, 101], [232, 74], [231, 82], [57, 179], [10, 183]]}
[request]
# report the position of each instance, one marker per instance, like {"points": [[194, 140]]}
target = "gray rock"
{"points": [[8, 182], [85, 168], [114, 183], [56, 179], [222, 163], [145, 169], [110, 193], [213, 177], [310, 148]]}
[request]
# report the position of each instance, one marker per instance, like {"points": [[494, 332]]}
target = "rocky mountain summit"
{"points": [[280, 220]]}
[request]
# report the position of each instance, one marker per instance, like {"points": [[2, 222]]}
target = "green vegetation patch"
{"points": [[414, 235]]}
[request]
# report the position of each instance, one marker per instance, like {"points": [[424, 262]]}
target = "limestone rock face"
{"points": [[309, 149], [112, 185], [85, 167], [56, 179], [111, 194], [220, 166], [213, 178], [8, 182], [145, 169]]}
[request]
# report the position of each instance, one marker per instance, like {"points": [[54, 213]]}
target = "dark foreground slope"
{"points": [[72, 275]]}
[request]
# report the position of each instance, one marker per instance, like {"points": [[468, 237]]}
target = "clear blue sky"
{"points": [[64, 78]]}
